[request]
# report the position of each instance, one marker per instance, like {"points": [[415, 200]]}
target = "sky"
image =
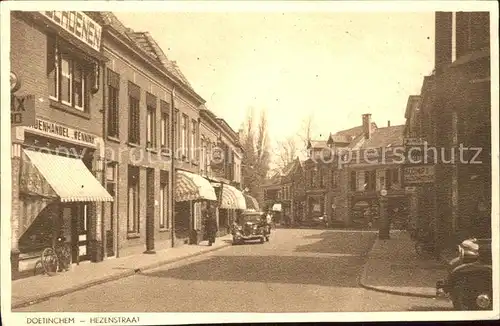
{"points": [[333, 66]]}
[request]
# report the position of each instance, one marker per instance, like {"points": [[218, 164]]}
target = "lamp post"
{"points": [[384, 227]]}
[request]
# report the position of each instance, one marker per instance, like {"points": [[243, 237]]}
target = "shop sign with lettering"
{"points": [[63, 131], [418, 174], [22, 110], [79, 25]]}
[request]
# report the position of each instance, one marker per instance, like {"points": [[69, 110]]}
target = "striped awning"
{"points": [[190, 186], [251, 202], [68, 178], [232, 198]]}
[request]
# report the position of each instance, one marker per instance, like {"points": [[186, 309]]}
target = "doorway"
{"points": [[80, 227], [110, 228]]}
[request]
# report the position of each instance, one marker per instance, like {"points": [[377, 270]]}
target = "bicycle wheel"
{"points": [[64, 256], [49, 261]]}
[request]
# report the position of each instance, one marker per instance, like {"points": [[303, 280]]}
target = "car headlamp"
{"points": [[461, 253]]}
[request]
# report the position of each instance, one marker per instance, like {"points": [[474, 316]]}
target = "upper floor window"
{"points": [[68, 76], [392, 178], [134, 96], [164, 139], [113, 103], [151, 121], [335, 180], [184, 135], [353, 181], [370, 180], [194, 150]]}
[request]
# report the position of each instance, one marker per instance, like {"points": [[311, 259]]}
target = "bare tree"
{"points": [[286, 151]]}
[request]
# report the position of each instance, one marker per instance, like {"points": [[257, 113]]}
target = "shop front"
{"points": [[232, 203], [190, 192], [58, 194]]}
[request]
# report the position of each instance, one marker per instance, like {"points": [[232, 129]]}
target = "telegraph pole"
{"points": [[172, 166]]}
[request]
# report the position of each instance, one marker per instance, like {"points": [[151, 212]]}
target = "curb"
{"points": [[362, 281], [131, 272]]}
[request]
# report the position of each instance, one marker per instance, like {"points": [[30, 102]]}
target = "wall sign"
{"points": [[418, 174], [63, 131], [22, 110], [79, 25]]}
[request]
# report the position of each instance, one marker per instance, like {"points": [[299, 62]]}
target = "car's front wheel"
{"points": [[476, 295]]}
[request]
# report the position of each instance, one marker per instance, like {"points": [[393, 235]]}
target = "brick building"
{"points": [[56, 159], [455, 111]]}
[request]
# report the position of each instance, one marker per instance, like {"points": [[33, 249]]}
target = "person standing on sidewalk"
{"points": [[210, 226]]}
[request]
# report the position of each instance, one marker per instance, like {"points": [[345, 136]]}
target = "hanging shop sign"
{"points": [[22, 110], [79, 25], [55, 129]]}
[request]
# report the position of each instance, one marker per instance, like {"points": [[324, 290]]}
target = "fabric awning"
{"points": [[232, 198], [68, 177], [251, 202], [190, 186]]}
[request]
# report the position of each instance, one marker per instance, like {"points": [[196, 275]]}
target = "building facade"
{"points": [[57, 156], [455, 113], [373, 165]]}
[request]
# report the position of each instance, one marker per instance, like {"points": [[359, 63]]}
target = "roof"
{"points": [[353, 132], [275, 180], [411, 104], [317, 144], [385, 137], [145, 42], [290, 167]]}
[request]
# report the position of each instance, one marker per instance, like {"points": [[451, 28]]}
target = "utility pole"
{"points": [[172, 166]]}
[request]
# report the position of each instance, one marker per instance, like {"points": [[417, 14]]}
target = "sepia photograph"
{"points": [[277, 161]]}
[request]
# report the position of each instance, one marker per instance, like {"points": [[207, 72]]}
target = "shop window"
{"points": [[68, 76], [164, 206], [134, 113], [39, 235], [113, 103], [165, 125], [133, 201]]}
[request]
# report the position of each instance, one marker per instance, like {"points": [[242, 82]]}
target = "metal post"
{"points": [[384, 228], [172, 166]]}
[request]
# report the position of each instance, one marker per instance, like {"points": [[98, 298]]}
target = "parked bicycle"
{"points": [[56, 258]]}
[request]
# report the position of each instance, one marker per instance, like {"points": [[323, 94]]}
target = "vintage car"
{"points": [[469, 281], [250, 226]]}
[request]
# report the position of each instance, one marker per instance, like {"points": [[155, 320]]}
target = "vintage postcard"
{"points": [[266, 161]]}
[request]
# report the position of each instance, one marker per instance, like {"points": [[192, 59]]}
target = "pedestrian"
{"points": [[269, 220], [210, 225]]}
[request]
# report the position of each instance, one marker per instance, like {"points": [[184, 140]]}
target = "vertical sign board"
{"points": [[22, 110]]}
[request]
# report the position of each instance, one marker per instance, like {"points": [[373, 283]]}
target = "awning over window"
{"points": [[232, 198], [190, 186], [68, 177], [251, 202]]}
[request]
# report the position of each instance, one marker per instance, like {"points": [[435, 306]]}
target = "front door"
{"points": [[80, 232], [110, 228]]}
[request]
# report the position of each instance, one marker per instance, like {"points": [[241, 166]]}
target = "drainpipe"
{"points": [[172, 166]]}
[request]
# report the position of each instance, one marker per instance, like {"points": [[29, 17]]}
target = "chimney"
{"points": [[367, 125], [443, 40], [388, 123]]}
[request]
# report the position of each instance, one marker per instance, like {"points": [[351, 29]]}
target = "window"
{"points": [[165, 125], [310, 178], [164, 220], [370, 180], [134, 96], [354, 182], [151, 121], [184, 135], [335, 180], [203, 156], [67, 76], [133, 200], [194, 150], [392, 178], [113, 96]]}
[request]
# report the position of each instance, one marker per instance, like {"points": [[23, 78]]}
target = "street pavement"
{"points": [[297, 271]]}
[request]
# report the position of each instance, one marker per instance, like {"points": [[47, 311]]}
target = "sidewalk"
{"points": [[42, 287], [394, 267]]}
